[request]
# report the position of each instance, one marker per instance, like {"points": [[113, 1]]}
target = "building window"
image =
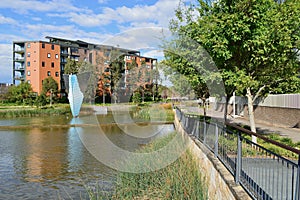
{"points": [[28, 73], [56, 56], [28, 81], [49, 73], [43, 64], [52, 46], [43, 45], [56, 74], [28, 64], [49, 55], [28, 45], [28, 54], [52, 64]]}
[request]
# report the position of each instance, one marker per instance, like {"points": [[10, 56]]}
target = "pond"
{"points": [[41, 160]]}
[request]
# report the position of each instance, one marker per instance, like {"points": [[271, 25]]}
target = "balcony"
{"points": [[19, 77], [21, 68], [64, 53], [19, 59], [19, 50]]}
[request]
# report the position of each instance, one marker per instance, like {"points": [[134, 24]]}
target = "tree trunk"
{"points": [[251, 114], [204, 106], [226, 107]]}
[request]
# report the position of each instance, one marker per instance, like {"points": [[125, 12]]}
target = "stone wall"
{"points": [[220, 182]]}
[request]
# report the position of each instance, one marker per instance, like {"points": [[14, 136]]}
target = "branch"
{"points": [[259, 91]]}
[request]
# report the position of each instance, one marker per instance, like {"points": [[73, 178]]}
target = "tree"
{"points": [[72, 66], [20, 94], [253, 43], [117, 69], [50, 89]]}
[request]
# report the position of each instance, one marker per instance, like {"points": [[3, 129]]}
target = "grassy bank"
{"points": [[180, 180], [27, 111], [155, 112]]}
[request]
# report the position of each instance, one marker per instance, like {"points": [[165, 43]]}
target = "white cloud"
{"points": [[6, 20], [102, 1], [158, 14], [139, 38], [6, 63], [42, 6]]}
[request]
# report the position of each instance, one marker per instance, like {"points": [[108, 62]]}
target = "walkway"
{"points": [[264, 128]]}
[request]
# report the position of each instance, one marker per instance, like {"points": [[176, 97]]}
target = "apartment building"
{"points": [[33, 61]]}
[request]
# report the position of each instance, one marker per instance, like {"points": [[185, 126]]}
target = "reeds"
{"points": [[180, 180]]}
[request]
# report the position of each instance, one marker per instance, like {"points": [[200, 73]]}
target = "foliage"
{"points": [[136, 97], [254, 44], [156, 112], [180, 180], [49, 86], [41, 100], [72, 66], [20, 94], [13, 112]]}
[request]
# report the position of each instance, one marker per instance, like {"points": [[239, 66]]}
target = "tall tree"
{"points": [[20, 93], [50, 89], [254, 43]]}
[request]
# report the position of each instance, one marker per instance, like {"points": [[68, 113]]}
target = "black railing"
{"points": [[263, 173]]}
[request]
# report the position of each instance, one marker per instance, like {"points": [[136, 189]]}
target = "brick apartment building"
{"points": [[33, 61]]}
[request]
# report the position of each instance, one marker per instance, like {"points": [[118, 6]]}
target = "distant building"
{"points": [[4, 89], [33, 61]]}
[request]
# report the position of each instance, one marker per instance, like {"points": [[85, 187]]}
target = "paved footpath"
{"points": [[293, 133]]}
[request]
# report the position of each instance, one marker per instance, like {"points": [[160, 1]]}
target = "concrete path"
{"points": [[263, 128]]}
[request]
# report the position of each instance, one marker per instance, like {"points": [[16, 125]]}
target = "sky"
{"points": [[133, 24]]}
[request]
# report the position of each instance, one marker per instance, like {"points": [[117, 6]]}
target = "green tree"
{"points": [[20, 94], [117, 69], [50, 89], [254, 44], [72, 66]]}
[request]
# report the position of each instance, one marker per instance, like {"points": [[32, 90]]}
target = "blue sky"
{"points": [[134, 24]]}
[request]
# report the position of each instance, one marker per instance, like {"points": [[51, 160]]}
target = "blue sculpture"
{"points": [[75, 95]]}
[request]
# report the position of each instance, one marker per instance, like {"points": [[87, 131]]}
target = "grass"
{"points": [[180, 180], [230, 143], [156, 112], [27, 111]]}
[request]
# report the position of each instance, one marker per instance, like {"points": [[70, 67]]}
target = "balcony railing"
{"points": [[20, 68], [18, 49], [19, 77], [19, 59]]}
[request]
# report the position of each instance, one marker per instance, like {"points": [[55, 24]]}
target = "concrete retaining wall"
{"points": [[288, 117], [220, 182]]}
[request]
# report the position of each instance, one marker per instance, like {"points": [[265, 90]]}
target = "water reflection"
{"points": [[46, 162]]}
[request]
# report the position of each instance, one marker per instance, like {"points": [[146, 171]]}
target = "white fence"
{"points": [[272, 100], [282, 100]]}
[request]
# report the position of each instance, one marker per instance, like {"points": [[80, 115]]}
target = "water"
{"points": [[41, 161]]}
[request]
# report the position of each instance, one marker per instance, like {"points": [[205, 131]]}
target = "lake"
{"points": [[39, 159]]}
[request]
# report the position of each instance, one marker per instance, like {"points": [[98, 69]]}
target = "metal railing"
{"points": [[263, 173]]}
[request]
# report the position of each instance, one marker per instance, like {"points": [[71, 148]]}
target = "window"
{"points": [[28, 73], [56, 56], [28, 54], [49, 55], [28, 45], [43, 45], [49, 73], [52, 46], [43, 64], [52, 64], [28, 64], [56, 74], [28, 81]]}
